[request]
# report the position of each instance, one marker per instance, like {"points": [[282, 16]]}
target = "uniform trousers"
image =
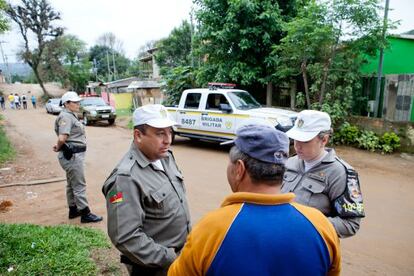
{"points": [[75, 176]]}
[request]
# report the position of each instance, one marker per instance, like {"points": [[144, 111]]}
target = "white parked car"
{"points": [[53, 106], [215, 113]]}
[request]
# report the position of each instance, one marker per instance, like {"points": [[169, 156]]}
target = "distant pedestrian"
{"points": [[24, 101], [2, 100], [33, 98], [11, 101], [17, 101]]}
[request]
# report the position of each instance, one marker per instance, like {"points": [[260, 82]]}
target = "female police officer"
{"points": [[71, 145], [321, 179]]}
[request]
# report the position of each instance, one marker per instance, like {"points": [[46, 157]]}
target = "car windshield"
{"points": [[55, 101], [243, 100], [93, 101]]}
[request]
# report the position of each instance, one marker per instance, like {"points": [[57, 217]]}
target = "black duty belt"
{"points": [[69, 149]]}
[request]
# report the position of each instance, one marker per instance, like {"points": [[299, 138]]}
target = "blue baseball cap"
{"points": [[262, 142]]}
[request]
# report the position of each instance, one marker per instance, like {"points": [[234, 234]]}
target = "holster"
{"points": [[69, 149]]}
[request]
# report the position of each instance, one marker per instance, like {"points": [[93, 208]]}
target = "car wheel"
{"points": [[85, 120], [111, 121]]}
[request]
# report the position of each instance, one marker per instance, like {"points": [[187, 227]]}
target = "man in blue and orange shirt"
{"points": [[257, 230]]}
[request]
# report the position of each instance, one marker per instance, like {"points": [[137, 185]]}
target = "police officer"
{"points": [[321, 179], [148, 215], [71, 145]]}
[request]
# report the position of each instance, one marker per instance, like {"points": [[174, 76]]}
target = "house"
{"points": [[397, 86], [130, 93]]}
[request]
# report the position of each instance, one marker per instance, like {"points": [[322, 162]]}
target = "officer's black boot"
{"points": [[73, 212], [87, 216]]}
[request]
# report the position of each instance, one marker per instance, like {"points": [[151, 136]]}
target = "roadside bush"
{"points": [[389, 142], [347, 134], [368, 140], [7, 151]]}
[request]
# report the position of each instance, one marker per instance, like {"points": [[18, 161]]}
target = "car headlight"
{"points": [[113, 110], [93, 113]]}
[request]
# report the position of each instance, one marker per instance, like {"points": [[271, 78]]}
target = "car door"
{"points": [[217, 117], [189, 115]]}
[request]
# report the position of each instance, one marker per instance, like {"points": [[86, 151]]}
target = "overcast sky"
{"points": [[135, 22]]}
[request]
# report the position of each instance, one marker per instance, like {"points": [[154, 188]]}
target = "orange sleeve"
{"points": [[204, 241]]}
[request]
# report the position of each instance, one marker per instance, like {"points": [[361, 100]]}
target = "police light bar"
{"points": [[215, 85]]}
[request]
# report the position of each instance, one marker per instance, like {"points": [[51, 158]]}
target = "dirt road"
{"points": [[383, 246]]}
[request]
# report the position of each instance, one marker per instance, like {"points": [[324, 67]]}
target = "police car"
{"points": [[216, 112]]}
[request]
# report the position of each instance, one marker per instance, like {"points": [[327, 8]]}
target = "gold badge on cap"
{"points": [[300, 123]]}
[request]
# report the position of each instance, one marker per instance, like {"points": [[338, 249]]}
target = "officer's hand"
{"points": [[55, 148]]}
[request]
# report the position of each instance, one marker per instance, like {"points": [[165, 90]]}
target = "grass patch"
{"points": [[7, 151], [123, 112], [49, 250]]}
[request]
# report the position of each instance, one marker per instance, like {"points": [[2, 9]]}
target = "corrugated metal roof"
{"points": [[121, 83], [144, 84]]}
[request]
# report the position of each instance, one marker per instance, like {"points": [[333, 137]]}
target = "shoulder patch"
{"points": [[115, 196], [62, 123]]}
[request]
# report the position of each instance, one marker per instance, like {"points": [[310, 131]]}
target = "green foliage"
{"points": [[300, 100], [176, 81], [106, 57], [35, 19], [326, 44], [47, 250], [175, 50], [7, 151], [389, 142], [347, 134], [368, 140], [67, 62], [4, 24], [236, 38]]}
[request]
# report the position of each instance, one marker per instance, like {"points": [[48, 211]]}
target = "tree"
{"points": [[110, 64], [175, 50], [176, 80], [68, 62], [326, 44], [143, 50], [4, 24], [111, 41], [35, 17], [236, 39]]}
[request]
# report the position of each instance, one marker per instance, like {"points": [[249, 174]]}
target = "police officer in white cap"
{"points": [[148, 215], [71, 145], [321, 179]]}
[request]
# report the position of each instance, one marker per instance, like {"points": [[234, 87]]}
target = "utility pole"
{"points": [[7, 74], [113, 63], [381, 60], [109, 70], [95, 69], [191, 40]]}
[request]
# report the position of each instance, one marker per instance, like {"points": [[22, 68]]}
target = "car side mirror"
{"points": [[226, 108]]}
